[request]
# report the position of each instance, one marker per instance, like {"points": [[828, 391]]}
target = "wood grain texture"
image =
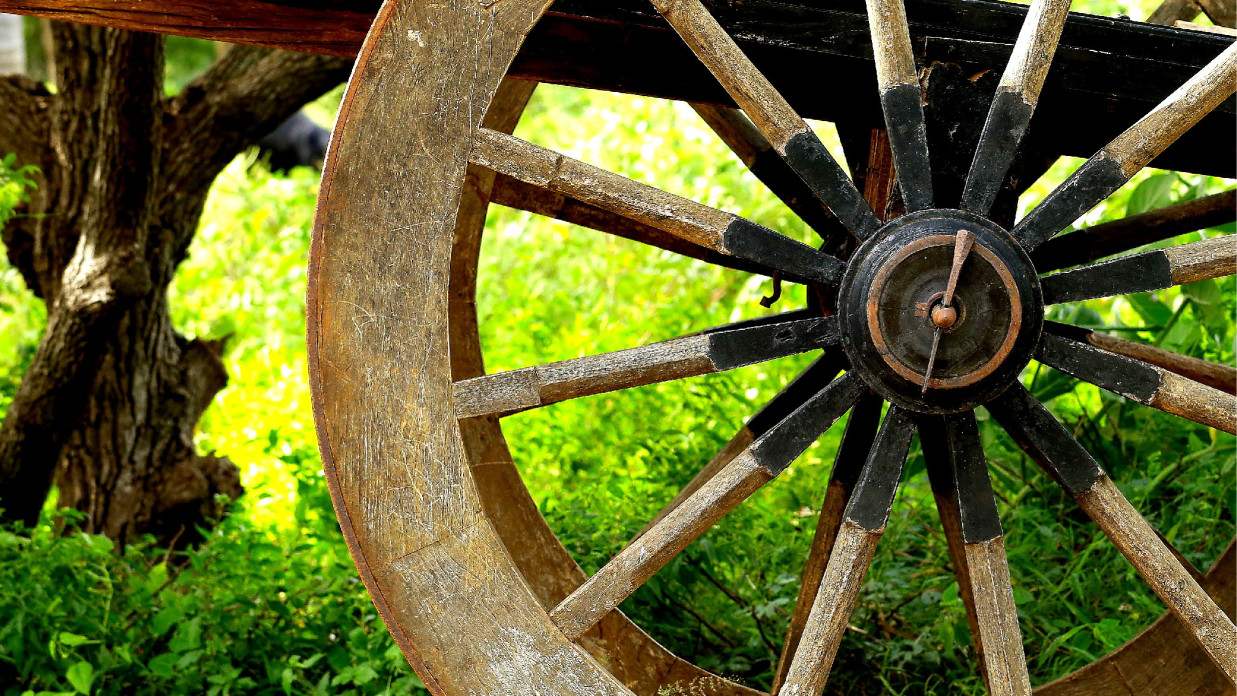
{"points": [[1226, 31], [378, 346], [1209, 258], [1163, 659], [699, 224], [944, 491], [637, 562], [1138, 542], [503, 393], [1145, 271], [891, 44], [331, 28], [831, 609], [715, 350], [733, 448], [520, 195], [1128, 233], [1143, 141], [1223, 13], [1033, 51], [1214, 375], [1171, 11], [550, 170], [771, 113], [997, 618], [1197, 402]]}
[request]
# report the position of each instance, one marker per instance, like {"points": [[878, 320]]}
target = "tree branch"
{"points": [[23, 120], [234, 104]]}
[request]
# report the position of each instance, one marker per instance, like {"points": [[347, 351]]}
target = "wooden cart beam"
{"points": [[329, 27], [590, 44]]}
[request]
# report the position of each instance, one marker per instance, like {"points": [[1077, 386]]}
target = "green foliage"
{"points": [[271, 604], [252, 611], [21, 320], [15, 183]]}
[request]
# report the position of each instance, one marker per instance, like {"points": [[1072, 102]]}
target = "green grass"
{"points": [[272, 604]]}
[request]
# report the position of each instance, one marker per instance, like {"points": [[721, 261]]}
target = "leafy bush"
{"points": [[251, 611]]}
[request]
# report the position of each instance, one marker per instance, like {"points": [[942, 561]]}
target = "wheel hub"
{"points": [[893, 309]]}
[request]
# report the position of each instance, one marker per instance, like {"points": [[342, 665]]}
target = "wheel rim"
{"points": [[467, 405]]}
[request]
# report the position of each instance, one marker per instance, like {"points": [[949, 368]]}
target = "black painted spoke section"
{"points": [[807, 155], [976, 501], [823, 371], [521, 195], [760, 157], [1120, 375], [1150, 270], [688, 220], [1134, 379], [1129, 233], [770, 113], [1014, 103], [901, 101], [873, 496], [1038, 432], [791, 436], [1129, 152], [1214, 375], [718, 350]]}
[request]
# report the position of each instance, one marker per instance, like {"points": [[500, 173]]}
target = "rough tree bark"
{"points": [[109, 403]]}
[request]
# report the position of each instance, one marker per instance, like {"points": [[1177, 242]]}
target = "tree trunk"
{"points": [[109, 404]]}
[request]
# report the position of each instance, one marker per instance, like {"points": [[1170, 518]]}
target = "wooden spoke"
{"points": [[1052, 446], [864, 522], [959, 475], [504, 393], [696, 223], [1171, 11], [1014, 103], [902, 101], [520, 195], [759, 463], [770, 112], [1150, 270], [792, 397], [1214, 375], [1221, 12], [1126, 234], [1146, 384], [1110, 168], [757, 153], [861, 431]]}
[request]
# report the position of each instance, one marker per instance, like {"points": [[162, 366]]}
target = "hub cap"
{"points": [[892, 304]]}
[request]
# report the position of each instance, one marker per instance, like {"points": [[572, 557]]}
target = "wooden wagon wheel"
{"points": [[935, 312]]}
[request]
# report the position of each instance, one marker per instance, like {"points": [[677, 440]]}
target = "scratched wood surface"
{"points": [[1137, 146], [379, 359]]}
